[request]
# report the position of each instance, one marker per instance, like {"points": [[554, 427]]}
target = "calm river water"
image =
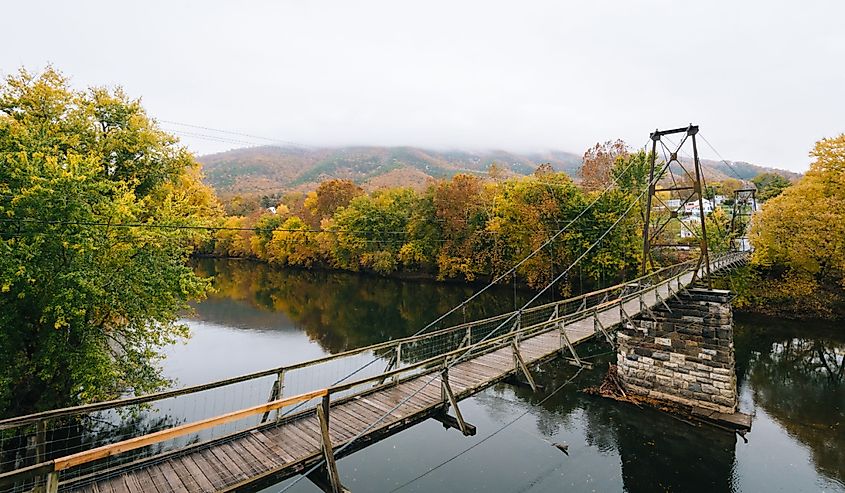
{"points": [[790, 377]]}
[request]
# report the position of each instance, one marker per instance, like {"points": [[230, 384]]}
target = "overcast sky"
{"points": [[763, 79]]}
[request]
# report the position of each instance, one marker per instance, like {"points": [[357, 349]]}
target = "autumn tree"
{"points": [[330, 196], [86, 301], [597, 165], [460, 209], [803, 229]]}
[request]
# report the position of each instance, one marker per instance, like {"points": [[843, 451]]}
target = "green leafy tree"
{"points": [[769, 185], [371, 230], [86, 302]]}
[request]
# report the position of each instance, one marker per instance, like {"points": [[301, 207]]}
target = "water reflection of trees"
{"points": [[340, 310], [799, 383]]}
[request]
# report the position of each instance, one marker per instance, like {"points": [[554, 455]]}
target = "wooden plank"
{"points": [[409, 399], [159, 436], [263, 456], [92, 487], [427, 394], [373, 401], [364, 413], [148, 480], [272, 446], [194, 477], [235, 463], [481, 369], [310, 426], [349, 418], [132, 483], [229, 470], [189, 483], [170, 476], [389, 418], [105, 486], [475, 374], [339, 430], [291, 442], [119, 486], [253, 466], [206, 461], [461, 381], [493, 367], [301, 440]]}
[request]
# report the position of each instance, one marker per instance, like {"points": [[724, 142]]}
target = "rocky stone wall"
{"points": [[683, 354]]}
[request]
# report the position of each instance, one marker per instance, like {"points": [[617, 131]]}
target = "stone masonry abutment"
{"points": [[682, 352]]}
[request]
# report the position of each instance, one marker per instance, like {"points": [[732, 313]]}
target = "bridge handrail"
{"points": [[79, 458]]}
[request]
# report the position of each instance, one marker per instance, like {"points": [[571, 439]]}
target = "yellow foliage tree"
{"points": [[802, 231]]}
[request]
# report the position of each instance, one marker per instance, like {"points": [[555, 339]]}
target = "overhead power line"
{"points": [[229, 132]]}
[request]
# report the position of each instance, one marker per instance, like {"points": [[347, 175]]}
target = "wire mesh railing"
{"points": [[29, 441]]}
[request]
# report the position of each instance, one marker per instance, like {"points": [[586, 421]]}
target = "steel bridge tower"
{"points": [[675, 189], [744, 207]]}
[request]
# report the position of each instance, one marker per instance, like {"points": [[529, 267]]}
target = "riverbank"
{"points": [[770, 294], [579, 283]]}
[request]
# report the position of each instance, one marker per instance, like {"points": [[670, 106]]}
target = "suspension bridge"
{"points": [[245, 432], [288, 435]]}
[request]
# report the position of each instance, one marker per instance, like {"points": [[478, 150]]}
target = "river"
{"points": [[790, 377]]}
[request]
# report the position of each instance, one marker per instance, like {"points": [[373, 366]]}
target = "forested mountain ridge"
{"points": [[274, 169]]}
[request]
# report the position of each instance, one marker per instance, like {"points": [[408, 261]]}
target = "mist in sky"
{"points": [[763, 79]]}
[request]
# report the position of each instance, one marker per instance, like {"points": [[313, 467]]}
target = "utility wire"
{"points": [[239, 134], [728, 164], [28, 220]]}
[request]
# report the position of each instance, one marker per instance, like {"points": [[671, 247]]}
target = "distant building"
{"points": [[272, 209], [690, 224]]}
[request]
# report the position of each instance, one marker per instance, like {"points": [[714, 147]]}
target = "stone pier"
{"points": [[682, 352]]}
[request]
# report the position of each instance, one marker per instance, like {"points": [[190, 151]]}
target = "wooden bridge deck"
{"points": [[278, 451], [273, 452]]}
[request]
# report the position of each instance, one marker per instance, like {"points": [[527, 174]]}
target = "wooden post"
{"points": [[398, 361], [598, 327], [565, 342], [661, 300], [274, 394], [519, 364], [326, 407], [446, 390], [326, 445], [280, 381], [41, 483], [52, 482]]}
